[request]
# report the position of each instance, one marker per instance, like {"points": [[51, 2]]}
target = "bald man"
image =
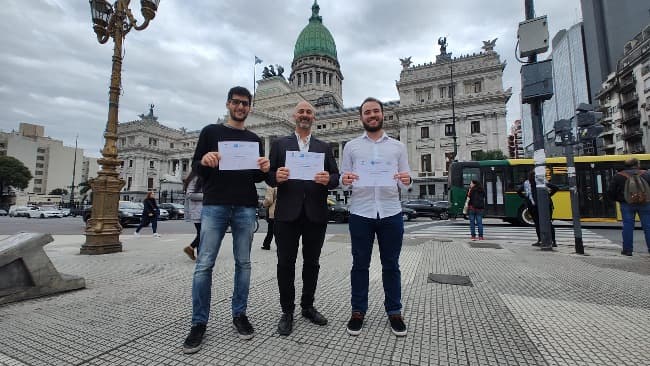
{"points": [[300, 211]]}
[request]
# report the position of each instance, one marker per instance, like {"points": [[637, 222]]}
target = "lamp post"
{"points": [[452, 90], [103, 228]]}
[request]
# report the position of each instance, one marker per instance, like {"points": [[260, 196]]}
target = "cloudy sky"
{"points": [[53, 72]]}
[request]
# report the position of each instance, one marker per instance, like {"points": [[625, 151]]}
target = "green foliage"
{"points": [[59, 191], [13, 173], [490, 155]]}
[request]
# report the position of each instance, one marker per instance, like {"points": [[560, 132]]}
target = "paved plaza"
{"points": [[524, 307]]}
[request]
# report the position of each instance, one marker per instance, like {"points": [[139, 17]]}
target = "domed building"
{"points": [[424, 118]]}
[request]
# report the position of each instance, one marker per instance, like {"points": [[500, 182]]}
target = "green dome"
{"points": [[315, 39]]}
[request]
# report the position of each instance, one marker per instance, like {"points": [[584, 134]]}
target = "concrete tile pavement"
{"points": [[525, 307]]}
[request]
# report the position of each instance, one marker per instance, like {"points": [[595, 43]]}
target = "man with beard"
{"points": [[300, 211], [229, 198], [375, 209]]}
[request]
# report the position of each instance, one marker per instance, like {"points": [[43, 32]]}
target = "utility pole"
{"points": [[74, 170], [537, 86]]}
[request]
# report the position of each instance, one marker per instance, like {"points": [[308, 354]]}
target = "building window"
{"points": [[452, 90], [185, 166], [129, 180], [149, 183], [40, 158], [476, 153], [424, 132], [153, 141], [477, 87], [151, 164], [38, 181], [299, 79], [37, 190], [476, 126], [443, 91], [449, 129], [330, 79], [123, 141], [311, 77], [171, 145], [130, 163], [131, 140], [40, 150], [317, 77], [426, 162], [38, 172], [39, 165]]}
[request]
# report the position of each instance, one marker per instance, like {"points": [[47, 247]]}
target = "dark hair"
{"points": [[239, 90], [632, 163], [188, 179], [477, 184], [371, 99]]}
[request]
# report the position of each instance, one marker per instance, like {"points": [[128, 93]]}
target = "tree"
{"points": [[59, 191], [490, 155], [84, 188], [13, 173]]}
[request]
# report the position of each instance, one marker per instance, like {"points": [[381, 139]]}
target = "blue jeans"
{"points": [[475, 219], [389, 231], [214, 221], [627, 212]]}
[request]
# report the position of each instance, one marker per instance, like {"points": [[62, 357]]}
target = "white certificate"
{"points": [[238, 155], [375, 173], [304, 165]]}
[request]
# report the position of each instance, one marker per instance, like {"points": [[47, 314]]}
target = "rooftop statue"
{"points": [[442, 41], [406, 62], [488, 45]]}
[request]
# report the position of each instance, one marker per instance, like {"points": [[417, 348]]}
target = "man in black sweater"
{"points": [[229, 198]]}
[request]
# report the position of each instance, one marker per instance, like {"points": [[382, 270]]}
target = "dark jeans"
{"points": [[197, 238], [627, 213], [145, 222], [287, 237], [535, 214], [269, 233], [389, 231]]}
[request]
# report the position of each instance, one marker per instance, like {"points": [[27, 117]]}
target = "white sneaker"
{"points": [[156, 235], [135, 233]]}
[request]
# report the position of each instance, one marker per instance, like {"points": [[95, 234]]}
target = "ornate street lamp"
{"points": [[103, 228]]}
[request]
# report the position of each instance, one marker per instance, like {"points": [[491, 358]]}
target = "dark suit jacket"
{"points": [[293, 195]]}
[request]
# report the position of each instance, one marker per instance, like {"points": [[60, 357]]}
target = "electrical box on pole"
{"points": [[533, 36]]}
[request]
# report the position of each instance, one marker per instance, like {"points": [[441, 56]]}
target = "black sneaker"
{"points": [[194, 340], [355, 323], [243, 326], [397, 325], [629, 254]]}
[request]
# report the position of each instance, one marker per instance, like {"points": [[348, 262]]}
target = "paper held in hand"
{"points": [[375, 173], [238, 155], [304, 165]]}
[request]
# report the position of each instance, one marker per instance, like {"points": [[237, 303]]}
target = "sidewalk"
{"points": [[526, 307]]}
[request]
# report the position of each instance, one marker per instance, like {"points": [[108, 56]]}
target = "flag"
{"points": [[258, 60]]}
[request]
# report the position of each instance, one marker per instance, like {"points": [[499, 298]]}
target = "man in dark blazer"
{"points": [[300, 211]]}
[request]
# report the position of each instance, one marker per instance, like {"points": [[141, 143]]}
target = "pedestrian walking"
{"points": [[475, 207], [150, 214], [270, 197], [229, 198], [192, 185], [528, 192], [630, 187], [375, 210], [300, 211]]}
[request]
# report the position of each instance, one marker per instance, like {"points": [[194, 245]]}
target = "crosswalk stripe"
{"points": [[513, 234]]}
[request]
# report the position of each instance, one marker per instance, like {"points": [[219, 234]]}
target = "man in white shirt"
{"points": [[375, 210]]}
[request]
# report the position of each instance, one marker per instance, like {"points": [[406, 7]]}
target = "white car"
{"points": [[43, 212], [18, 211]]}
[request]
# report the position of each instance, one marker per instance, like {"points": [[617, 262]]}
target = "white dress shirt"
{"points": [[303, 145], [371, 202]]}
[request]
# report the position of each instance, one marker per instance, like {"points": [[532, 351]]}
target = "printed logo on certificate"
{"points": [[304, 165], [238, 155], [375, 173]]}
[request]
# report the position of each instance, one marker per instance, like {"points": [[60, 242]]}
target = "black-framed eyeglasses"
{"points": [[237, 102]]}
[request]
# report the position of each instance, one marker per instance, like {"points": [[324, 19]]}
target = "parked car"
{"points": [[80, 210], [427, 208], [337, 212], [19, 211], [44, 212], [408, 214], [176, 210], [3, 212], [129, 213], [65, 211]]}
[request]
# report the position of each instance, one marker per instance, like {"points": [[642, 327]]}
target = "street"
{"points": [[609, 234]]}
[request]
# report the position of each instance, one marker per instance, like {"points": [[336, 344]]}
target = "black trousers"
{"points": [[287, 237], [269, 233], [197, 238], [535, 214]]}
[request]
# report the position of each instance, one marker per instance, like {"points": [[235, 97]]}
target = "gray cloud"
{"points": [[54, 73]]}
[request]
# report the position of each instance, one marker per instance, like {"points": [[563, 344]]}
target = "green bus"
{"points": [[502, 178]]}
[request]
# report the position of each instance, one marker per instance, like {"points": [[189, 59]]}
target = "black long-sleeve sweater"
{"points": [[227, 187]]}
